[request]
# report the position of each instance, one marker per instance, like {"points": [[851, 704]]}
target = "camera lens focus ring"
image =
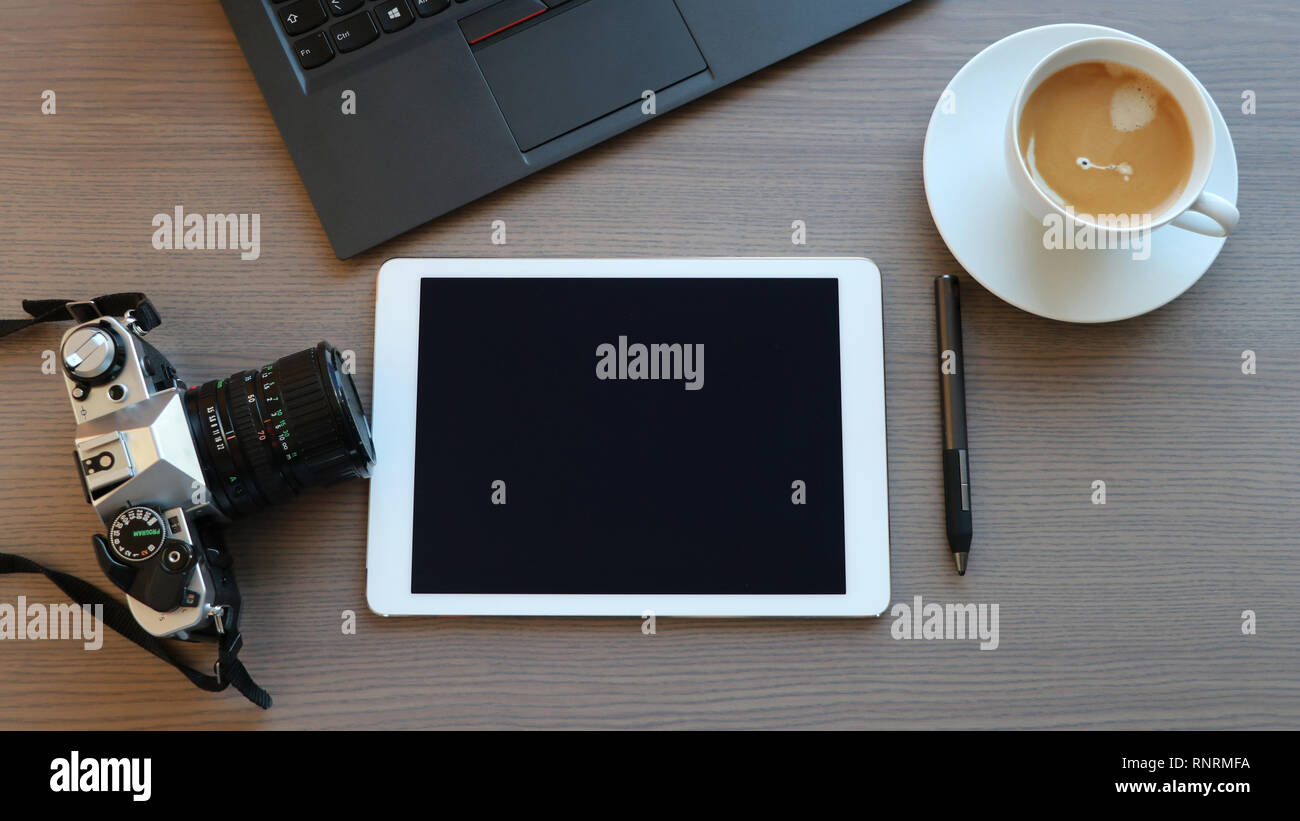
{"points": [[323, 445], [250, 430]]}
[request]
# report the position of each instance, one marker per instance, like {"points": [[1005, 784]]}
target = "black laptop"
{"points": [[398, 111]]}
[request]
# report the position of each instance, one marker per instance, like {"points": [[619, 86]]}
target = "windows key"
{"points": [[394, 15]]}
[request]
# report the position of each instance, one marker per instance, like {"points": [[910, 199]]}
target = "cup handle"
{"points": [[1210, 215]]}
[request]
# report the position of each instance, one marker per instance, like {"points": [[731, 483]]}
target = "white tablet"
{"points": [[689, 437]]}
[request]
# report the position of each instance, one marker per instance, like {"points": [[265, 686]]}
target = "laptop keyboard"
{"points": [[321, 29]]}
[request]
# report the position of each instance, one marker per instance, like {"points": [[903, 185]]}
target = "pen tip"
{"points": [[960, 560]]}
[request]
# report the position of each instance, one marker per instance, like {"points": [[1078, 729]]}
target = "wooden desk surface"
{"points": [[1122, 615]]}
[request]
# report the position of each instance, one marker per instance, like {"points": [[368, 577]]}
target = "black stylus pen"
{"points": [[952, 398]]}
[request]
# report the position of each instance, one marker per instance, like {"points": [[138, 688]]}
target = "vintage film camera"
{"points": [[165, 465]]}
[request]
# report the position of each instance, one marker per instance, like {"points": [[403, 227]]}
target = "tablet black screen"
{"points": [[628, 436]]}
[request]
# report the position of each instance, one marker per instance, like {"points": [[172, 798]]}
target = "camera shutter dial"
{"points": [[91, 353], [137, 533]]}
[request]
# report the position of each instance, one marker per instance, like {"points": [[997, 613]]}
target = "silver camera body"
{"points": [[141, 471], [166, 466]]}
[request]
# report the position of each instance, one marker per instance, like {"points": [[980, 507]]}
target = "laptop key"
{"points": [[302, 16], [353, 33], [394, 15], [313, 50], [342, 7], [428, 8]]}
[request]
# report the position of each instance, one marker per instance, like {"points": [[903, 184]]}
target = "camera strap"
{"points": [[228, 670], [63, 310]]}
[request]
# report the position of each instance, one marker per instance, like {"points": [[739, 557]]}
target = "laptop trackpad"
{"points": [[584, 62]]}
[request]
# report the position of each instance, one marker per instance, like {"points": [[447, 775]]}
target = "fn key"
{"points": [[313, 51]]}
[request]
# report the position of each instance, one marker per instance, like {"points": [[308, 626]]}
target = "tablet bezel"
{"points": [[862, 396]]}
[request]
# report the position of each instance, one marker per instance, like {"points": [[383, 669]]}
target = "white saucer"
{"points": [[1001, 245]]}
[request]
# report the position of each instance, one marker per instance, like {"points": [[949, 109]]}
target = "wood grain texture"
{"points": [[1123, 615]]}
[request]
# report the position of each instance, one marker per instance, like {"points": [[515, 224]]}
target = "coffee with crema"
{"points": [[1105, 138]]}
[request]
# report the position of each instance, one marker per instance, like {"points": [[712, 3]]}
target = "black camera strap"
{"points": [[63, 310], [228, 670]]}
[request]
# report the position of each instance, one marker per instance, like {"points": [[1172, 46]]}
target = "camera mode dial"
{"points": [[137, 533]]}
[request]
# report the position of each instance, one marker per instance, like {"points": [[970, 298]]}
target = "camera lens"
{"points": [[265, 435]]}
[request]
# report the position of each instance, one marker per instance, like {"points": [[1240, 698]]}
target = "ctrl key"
{"points": [[354, 32], [313, 51]]}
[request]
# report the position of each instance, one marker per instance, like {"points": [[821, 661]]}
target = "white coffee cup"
{"points": [[1196, 209]]}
